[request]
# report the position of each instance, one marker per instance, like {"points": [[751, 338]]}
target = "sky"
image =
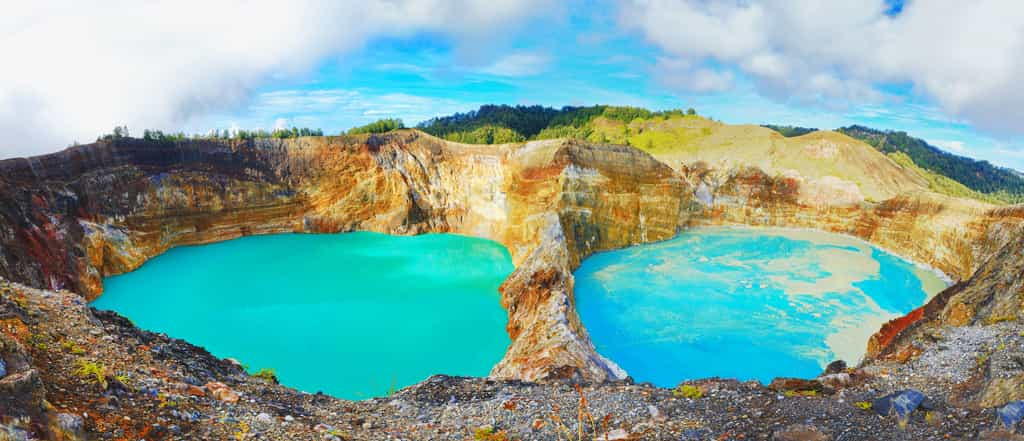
{"points": [[946, 71]]}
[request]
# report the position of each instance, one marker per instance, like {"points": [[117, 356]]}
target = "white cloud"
{"points": [[333, 110], [963, 55], [519, 64], [281, 123], [950, 146], [76, 69], [678, 73]]}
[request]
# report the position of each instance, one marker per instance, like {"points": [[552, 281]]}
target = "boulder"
{"points": [[222, 392], [1011, 414], [902, 403], [835, 367], [70, 424], [784, 384]]}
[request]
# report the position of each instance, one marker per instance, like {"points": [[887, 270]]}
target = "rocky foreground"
{"points": [[72, 372]]}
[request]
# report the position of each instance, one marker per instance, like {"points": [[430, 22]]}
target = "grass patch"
{"points": [[942, 184], [800, 393], [1001, 319], [72, 347], [487, 433], [267, 374], [92, 372], [688, 391]]}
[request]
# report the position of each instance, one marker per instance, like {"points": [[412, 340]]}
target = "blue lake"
{"points": [[353, 315], [745, 303]]}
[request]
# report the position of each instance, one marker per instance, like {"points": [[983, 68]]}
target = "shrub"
{"points": [[92, 372], [266, 374], [72, 347], [688, 391]]}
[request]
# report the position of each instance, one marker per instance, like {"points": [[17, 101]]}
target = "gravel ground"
{"points": [[162, 388]]}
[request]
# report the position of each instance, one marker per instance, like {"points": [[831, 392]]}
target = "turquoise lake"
{"points": [[744, 303], [353, 315]]}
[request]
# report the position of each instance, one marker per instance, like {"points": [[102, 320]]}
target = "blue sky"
{"points": [[941, 70], [576, 59]]}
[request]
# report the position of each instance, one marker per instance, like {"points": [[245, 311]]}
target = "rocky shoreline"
{"points": [[155, 387], [70, 218]]}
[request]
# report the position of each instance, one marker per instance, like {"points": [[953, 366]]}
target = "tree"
{"points": [[691, 111]]}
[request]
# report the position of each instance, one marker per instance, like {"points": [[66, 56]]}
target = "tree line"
{"points": [[980, 176], [121, 132], [493, 124]]}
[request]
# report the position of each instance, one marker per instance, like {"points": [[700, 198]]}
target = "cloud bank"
{"points": [[966, 56], [75, 69]]}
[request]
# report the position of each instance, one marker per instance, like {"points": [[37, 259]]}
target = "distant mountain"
{"points": [[1000, 183], [678, 135]]}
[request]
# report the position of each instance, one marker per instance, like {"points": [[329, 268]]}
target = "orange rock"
{"points": [[906, 354], [959, 314], [196, 391], [222, 392]]}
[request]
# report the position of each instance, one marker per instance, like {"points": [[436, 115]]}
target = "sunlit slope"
{"points": [[819, 159]]}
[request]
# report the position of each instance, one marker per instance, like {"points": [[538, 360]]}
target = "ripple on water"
{"points": [[743, 302]]}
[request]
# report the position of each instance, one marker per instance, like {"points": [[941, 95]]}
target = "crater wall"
{"points": [[71, 218]]}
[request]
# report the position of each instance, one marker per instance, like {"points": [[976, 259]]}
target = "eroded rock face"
{"points": [[71, 218]]}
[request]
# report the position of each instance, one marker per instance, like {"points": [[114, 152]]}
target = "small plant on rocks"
{"points": [[688, 391], [487, 433], [38, 341], [124, 380], [583, 419], [266, 374], [72, 347], [92, 372]]}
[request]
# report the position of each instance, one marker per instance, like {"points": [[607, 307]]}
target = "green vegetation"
{"points": [[72, 347], [941, 184], [688, 391], [378, 126], [487, 433], [121, 132], [789, 131], [487, 135], [92, 372], [494, 124], [266, 374], [998, 184], [124, 380]]}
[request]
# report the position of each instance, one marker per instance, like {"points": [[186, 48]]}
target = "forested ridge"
{"points": [[1000, 183]]}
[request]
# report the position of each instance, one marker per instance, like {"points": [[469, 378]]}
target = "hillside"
{"points": [[991, 182], [679, 137], [841, 167]]}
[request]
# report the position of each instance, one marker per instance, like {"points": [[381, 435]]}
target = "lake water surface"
{"points": [[745, 303], [351, 314]]}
